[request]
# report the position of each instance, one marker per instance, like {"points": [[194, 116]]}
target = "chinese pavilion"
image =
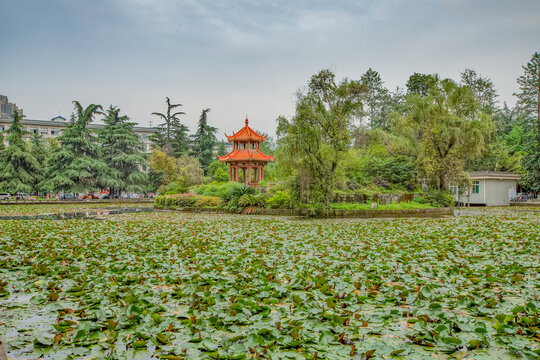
{"points": [[246, 156]]}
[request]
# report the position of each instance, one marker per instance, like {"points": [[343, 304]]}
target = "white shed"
{"points": [[489, 188]]}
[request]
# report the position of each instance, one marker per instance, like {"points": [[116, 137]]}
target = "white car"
{"points": [[5, 196]]}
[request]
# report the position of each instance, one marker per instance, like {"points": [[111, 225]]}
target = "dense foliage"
{"points": [[192, 286], [77, 165], [18, 166]]}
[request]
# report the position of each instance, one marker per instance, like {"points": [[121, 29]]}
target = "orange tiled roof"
{"points": [[246, 134], [246, 155]]}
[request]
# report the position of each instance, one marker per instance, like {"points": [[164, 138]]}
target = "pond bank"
{"points": [[331, 213]]}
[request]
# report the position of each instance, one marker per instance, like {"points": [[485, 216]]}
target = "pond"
{"points": [[92, 214]]}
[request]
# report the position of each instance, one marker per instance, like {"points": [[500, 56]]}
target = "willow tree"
{"points": [[18, 167], [446, 127], [315, 140], [77, 165]]}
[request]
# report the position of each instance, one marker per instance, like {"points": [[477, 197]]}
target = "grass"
{"points": [[186, 286], [392, 206]]}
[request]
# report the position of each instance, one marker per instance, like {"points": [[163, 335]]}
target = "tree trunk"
{"points": [[442, 184]]}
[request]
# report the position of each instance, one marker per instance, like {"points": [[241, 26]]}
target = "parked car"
{"points": [[68, 197], [90, 197], [108, 196], [23, 196], [5, 196]]}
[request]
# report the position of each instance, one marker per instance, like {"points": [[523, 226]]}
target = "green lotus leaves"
{"points": [[193, 286]]}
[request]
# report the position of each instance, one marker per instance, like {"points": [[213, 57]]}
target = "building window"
{"points": [[143, 137], [454, 190], [44, 131], [54, 132], [33, 130], [476, 187], [1, 128]]}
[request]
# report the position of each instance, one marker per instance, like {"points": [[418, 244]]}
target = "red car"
{"points": [[90, 197]]}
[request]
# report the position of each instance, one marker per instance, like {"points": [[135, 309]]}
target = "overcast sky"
{"points": [[245, 57]]}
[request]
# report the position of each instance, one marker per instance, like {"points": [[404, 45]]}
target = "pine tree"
{"points": [[18, 167], [2, 145], [377, 100], [171, 136], [529, 84], [222, 150], [123, 152], [204, 141], [77, 166], [39, 152]]}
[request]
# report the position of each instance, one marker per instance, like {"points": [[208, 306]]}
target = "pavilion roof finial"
{"points": [[247, 121]]}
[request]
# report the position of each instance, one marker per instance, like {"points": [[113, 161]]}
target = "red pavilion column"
{"points": [[249, 176]]}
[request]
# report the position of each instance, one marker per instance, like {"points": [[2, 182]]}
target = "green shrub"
{"points": [[159, 201], [174, 201], [436, 198], [175, 187], [248, 200], [221, 175], [222, 190], [280, 200], [208, 201]]}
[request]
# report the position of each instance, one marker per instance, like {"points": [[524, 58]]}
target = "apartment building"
{"points": [[52, 128], [7, 108]]}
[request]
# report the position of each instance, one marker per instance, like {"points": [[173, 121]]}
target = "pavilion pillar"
{"points": [[262, 173], [249, 175], [236, 173]]}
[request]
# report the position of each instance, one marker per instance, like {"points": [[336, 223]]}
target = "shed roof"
{"points": [[494, 175]]}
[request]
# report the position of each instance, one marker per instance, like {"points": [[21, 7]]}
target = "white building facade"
{"points": [[489, 188]]}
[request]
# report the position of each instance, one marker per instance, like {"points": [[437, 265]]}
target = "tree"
{"points": [[447, 129], [377, 100], [78, 166], [222, 150], [123, 152], [483, 90], [18, 167], [204, 141], [216, 166], [171, 136], [529, 84], [164, 166], [419, 84], [190, 171], [38, 150], [315, 140]]}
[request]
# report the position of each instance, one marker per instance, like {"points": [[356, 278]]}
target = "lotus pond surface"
{"points": [[168, 285]]}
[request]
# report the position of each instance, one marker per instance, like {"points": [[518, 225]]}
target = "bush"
{"points": [[436, 198], [248, 200], [221, 175], [208, 201], [175, 187], [159, 201], [222, 190], [280, 200], [174, 201]]}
